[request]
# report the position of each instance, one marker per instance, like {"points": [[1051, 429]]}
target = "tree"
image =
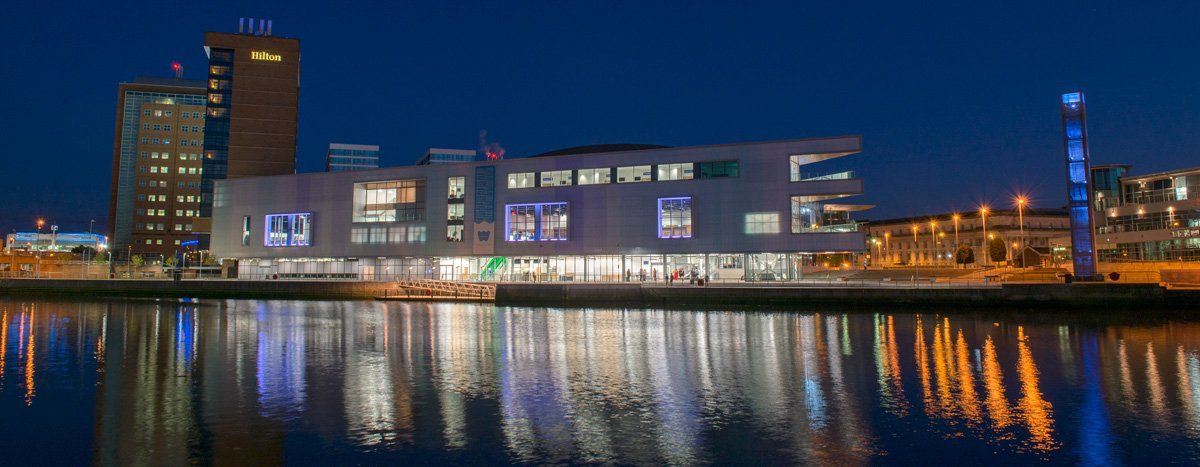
{"points": [[84, 250], [964, 255], [997, 250], [170, 262], [137, 261]]}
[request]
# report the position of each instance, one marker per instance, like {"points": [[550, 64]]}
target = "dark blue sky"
{"points": [[957, 103]]}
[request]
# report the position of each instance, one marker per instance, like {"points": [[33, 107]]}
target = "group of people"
{"points": [[693, 276]]}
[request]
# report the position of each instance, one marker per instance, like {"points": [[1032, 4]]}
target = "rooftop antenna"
{"points": [[178, 68]]}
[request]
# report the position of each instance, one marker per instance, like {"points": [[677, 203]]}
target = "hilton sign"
{"points": [[265, 56]]}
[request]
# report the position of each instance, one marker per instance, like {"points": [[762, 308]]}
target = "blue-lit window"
{"points": [[675, 217], [536, 222], [1075, 150], [288, 229]]}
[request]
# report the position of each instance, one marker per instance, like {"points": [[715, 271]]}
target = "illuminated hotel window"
{"points": [[556, 178], [595, 176], [288, 229], [762, 223], [668, 172], [521, 180], [675, 217], [632, 174], [389, 201], [536, 222]]}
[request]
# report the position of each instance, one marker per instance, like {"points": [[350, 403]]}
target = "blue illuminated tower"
{"points": [[1079, 192]]}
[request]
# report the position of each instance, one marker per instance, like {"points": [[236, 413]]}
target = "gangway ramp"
{"points": [[442, 290]]}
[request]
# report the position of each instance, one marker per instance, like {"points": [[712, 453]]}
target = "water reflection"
{"points": [[347, 382]]}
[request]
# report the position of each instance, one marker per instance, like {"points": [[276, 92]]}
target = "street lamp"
{"points": [[956, 217], [37, 253], [933, 240], [915, 228], [887, 243], [983, 212], [1021, 202]]}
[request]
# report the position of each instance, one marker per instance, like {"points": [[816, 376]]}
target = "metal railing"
{"points": [[818, 176]]}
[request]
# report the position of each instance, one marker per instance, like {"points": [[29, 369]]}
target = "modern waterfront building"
{"points": [[447, 156], [344, 157], [253, 107], [157, 147], [54, 241], [742, 211], [932, 240], [1152, 217]]}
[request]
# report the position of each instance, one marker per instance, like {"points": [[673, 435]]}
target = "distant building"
{"points": [[62, 242], [892, 242], [345, 157], [1153, 217], [447, 156], [157, 152]]}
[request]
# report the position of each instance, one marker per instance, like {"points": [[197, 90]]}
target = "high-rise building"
{"points": [[157, 148], [253, 100], [447, 156], [345, 157]]}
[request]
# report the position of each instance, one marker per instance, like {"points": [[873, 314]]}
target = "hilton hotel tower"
{"points": [[253, 93]]}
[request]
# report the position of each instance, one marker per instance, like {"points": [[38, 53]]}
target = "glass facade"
{"points": [[216, 135], [389, 201], [343, 158], [536, 222], [675, 217], [288, 230], [1074, 118]]}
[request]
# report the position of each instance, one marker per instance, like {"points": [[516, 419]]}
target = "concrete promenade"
{"points": [[1081, 296]]}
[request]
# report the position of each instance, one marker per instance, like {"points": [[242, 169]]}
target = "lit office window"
{"points": [[245, 230], [389, 201], [457, 187], [288, 229], [454, 233], [668, 172], [675, 217], [454, 212], [521, 180], [536, 222], [805, 216], [762, 223], [595, 176], [717, 169], [554, 222], [632, 174], [556, 178]]}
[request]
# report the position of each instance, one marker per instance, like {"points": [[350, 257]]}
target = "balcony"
{"points": [[819, 176]]}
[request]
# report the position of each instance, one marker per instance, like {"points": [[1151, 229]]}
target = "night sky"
{"points": [[957, 103]]}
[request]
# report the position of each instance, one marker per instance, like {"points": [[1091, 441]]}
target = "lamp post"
{"points": [[915, 228], [983, 212], [37, 254], [956, 217], [887, 243], [933, 241], [1021, 202]]}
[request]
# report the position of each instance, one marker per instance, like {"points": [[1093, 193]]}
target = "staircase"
{"points": [[432, 289]]}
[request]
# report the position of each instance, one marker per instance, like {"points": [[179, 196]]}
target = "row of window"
{"points": [[163, 212], [390, 235], [167, 127], [167, 113], [178, 227], [629, 174], [155, 169], [163, 184], [183, 156], [288, 229], [182, 142]]}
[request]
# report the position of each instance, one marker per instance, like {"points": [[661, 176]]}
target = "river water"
{"points": [[242, 381]]}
